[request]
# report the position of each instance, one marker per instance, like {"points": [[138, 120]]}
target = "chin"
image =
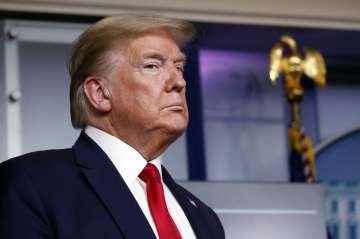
{"points": [[176, 128], [173, 124]]}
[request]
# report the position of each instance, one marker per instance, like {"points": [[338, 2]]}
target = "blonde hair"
{"points": [[93, 52]]}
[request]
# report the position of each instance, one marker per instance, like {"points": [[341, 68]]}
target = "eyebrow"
{"points": [[159, 56]]}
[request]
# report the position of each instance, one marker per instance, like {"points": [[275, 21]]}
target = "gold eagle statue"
{"points": [[312, 65]]}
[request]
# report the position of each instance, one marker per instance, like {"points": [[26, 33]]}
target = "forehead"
{"points": [[154, 42]]}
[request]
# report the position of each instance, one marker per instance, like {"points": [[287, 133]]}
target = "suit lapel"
{"points": [[187, 204], [111, 188]]}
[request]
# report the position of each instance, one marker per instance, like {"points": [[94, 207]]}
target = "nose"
{"points": [[175, 81]]}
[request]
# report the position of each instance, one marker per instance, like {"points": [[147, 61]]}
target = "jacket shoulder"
{"points": [[37, 163], [39, 158]]}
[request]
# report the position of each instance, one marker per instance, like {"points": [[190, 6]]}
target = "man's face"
{"points": [[148, 88]]}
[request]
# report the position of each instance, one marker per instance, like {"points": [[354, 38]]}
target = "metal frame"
{"points": [[15, 32]]}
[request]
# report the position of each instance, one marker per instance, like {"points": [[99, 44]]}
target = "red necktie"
{"points": [[165, 225]]}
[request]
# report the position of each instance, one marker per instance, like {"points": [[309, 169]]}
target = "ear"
{"points": [[97, 94]]}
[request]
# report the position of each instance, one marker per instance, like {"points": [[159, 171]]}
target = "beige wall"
{"points": [[320, 13]]}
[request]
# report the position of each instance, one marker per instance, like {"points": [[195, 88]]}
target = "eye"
{"points": [[151, 66], [180, 68]]}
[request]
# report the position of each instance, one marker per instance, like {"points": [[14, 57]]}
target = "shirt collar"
{"points": [[128, 162]]}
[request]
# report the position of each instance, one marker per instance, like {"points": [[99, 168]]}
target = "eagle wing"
{"points": [[314, 66], [276, 54]]}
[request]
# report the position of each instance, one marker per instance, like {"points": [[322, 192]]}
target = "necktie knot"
{"points": [[150, 172]]}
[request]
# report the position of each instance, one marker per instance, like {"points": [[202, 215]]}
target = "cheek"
{"points": [[149, 100], [144, 93]]}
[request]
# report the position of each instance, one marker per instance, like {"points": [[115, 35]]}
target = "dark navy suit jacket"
{"points": [[77, 193]]}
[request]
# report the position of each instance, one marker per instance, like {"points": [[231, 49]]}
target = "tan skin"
{"points": [[142, 101]]}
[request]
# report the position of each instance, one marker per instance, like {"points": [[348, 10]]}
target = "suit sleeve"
{"points": [[22, 214]]}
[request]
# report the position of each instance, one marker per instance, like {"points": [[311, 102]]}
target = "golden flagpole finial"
{"points": [[293, 67]]}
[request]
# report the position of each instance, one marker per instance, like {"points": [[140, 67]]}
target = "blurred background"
{"points": [[239, 121]]}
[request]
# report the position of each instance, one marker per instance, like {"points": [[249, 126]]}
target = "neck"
{"points": [[149, 144]]}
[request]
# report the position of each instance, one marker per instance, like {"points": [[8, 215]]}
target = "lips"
{"points": [[175, 106]]}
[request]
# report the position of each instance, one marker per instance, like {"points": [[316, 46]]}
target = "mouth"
{"points": [[175, 107]]}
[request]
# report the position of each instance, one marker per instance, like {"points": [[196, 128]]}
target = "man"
{"points": [[128, 94]]}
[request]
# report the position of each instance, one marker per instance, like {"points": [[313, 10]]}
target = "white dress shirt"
{"points": [[129, 163]]}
